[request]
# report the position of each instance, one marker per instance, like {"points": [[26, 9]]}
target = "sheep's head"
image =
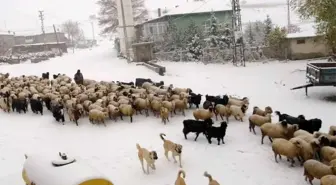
{"points": [[268, 109]]}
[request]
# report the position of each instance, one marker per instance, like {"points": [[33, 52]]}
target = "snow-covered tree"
{"points": [[213, 32], [108, 14], [195, 49], [268, 25], [173, 38], [254, 33], [276, 41], [249, 34]]}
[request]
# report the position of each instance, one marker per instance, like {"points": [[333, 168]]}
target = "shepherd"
{"points": [[79, 77]]}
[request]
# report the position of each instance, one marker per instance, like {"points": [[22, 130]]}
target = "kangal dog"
{"points": [[149, 156], [175, 148], [180, 179], [211, 181]]}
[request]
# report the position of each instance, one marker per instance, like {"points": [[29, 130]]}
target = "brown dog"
{"points": [[150, 158], [176, 149], [180, 179], [211, 181]]}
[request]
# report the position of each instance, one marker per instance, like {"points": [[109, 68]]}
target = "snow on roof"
{"points": [[36, 44], [40, 170], [199, 7], [307, 30]]}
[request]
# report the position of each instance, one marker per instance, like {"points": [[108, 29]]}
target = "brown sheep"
{"points": [[257, 120], [258, 111], [328, 180], [315, 169], [284, 147], [223, 110], [203, 114], [307, 150], [126, 110], [181, 105], [278, 130]]}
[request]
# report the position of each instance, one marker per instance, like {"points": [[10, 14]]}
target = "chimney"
{"points": [[159, 12]]}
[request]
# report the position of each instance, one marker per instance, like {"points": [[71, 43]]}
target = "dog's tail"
{"points": [[138, 146], [208, 175], [161, 135], [181, 172]]}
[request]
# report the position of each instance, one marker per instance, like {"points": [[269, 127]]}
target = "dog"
{"points": [[180, 179], [211, 181], [150, 158], [176, 149]]}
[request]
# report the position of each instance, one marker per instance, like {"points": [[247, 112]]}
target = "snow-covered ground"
{"points": [[112, 150]]}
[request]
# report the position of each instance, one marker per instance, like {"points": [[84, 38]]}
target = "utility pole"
{"points": [[41, 16], [288, 17], [238, 41], [55, 33], [125, 30], [93, 35]]}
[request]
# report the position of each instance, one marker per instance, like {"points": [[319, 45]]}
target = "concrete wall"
{"points": [[305, 48], [33, 39], [6, 42]]}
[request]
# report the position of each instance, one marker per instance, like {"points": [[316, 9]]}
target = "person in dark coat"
{"points": [[79, 77]]}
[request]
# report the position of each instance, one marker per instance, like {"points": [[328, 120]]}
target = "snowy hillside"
{"points": [[112, 149]]}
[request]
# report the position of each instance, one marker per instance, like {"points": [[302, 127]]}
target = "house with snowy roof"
{"points": [[306, 44], [182, 16], [6, 41]]}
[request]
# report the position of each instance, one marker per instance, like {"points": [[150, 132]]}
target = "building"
{"points": [[39, 38], [181, 16], [306, 45], [7, 41]]}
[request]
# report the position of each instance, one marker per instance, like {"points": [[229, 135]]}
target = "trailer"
{"points": [[319, 74]]}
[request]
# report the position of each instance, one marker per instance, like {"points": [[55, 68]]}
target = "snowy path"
{"points": [[242, 160]]}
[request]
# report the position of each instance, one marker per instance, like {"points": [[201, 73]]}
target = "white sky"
{"points": [[21, 16]]}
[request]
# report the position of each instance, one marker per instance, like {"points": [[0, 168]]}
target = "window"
{"points": [[151, 30], [301, 41]]}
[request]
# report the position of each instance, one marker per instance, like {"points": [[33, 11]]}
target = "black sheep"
{"points": [[125, 83], [36, 106], [211, 98], [195, 99], [217, 132], [58, 113], [19, 105], [290, 119], [140, 81], [45, 75], [196, 126], [207, 104], [158, 84], [222, 101], [47, 102]]}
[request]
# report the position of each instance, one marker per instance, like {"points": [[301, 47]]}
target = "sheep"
{"points": [[284, 147], [332, 130], [126, 110], [196, 126], [301, 132], [258, 111], [141, 104], [181, 105], [278, 130], [203, 114], [257, 120], [326, 139], [237, 102], [114, 112], [74, 114], [169, 105], [164, 114], [327, 154], [156, 107], [307, 150], [195, 99], [315, 169], [97, 116], [238, 112], [222, 110], [217, 132], [4, 104], [211, 180], [328, 180]]}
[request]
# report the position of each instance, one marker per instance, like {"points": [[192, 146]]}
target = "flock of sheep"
{"points": [[294, 137]]}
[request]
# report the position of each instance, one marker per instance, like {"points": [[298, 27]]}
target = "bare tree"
{"points": [[108, 14], [72, 29]]}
